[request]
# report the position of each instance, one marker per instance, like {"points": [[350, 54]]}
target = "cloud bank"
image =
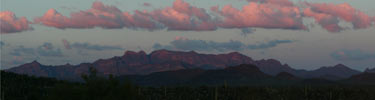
{"points": [[182, 16], [48, 50], [268, 44], [45, 50], [181, 43], [96, 47], [9, 23]]}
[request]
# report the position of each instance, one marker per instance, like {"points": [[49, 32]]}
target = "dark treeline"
{"points": [[23, 87]]}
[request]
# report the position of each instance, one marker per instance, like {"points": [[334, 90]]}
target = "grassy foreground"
{"points": [[22, 87]]}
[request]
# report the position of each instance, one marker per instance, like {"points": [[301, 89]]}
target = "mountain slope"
{"points": [[274, 67], [244, 74], [363, 78], [370, 70], [137, 63], [336, 72], [140, 63]]}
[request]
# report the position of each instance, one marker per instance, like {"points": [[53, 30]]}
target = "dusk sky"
{"points": [[305, 34]]}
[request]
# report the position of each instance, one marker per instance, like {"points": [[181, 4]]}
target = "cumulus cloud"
{"points": [[263, 15], [181, 43], [9, 23], [99, 15], [328, 15], [355, 55], [328, 22], [183, 16], [96, 47], [270, 14]]}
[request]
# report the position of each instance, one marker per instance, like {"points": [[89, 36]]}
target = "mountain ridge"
{"points": [[140, 63]]}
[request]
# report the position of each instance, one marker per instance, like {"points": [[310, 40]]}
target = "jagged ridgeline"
{"points": [[140, 63]]}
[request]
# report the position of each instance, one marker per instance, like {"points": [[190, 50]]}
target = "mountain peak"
{"points": [[142, 52], [271, 61], [128, 53], [338, 70], [192, 51], [340, 66], [35, 63], [161, 51], [368, 70], [234, 53]]}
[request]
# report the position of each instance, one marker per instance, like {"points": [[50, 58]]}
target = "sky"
{"points": [[305, 34]]}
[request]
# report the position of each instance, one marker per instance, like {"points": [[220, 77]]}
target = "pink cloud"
{"points": [[140, 19], [278, 14], [183, 16], [264, 15], [328, 22], [10, 23], [99, 15], [343, 11]]}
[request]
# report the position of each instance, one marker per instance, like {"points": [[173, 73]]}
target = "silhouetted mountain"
{"points": [[286, 76], [363, 78], [140, 63], [370, 70], [243, 74], [36, 69], [137, 63], [336, 72], [273, 67]]}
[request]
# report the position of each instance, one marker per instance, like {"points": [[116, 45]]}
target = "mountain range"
{"points": [[240, 75], [140, 63], [235, 75]]}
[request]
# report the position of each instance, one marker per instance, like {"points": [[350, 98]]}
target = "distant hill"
{"points": [[336, 72], [136, 63], [240, 75], [244, 74], [363, 78], [140, 63], [370, 70]]}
